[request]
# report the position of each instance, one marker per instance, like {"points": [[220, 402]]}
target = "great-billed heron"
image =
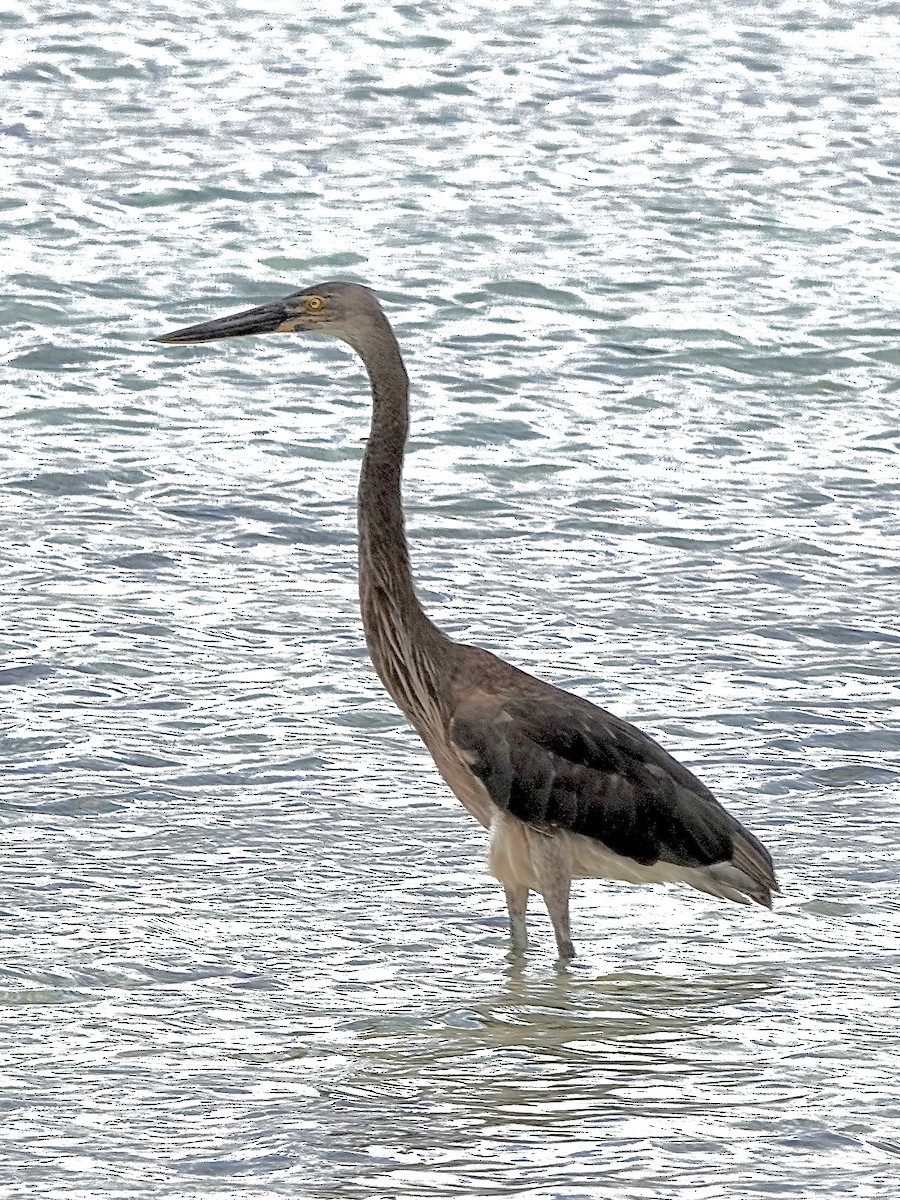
{"points": [[566, 789]]}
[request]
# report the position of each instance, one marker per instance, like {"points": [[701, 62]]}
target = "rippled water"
{"points": [[642, 261]]}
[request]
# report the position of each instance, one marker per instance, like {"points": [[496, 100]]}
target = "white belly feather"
{"points": [[517, 855]]}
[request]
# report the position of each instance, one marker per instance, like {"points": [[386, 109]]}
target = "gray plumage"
{"points": [[566, 789]]}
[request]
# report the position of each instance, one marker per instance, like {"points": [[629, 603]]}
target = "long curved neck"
{"points": [[406, 648]]}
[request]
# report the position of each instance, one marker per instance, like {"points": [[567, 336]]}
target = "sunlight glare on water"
{"points": [[642, 263]]}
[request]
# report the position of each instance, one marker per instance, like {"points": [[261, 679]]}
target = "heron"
{"points": [[565, 789]]}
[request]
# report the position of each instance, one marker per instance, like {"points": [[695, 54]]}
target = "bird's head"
{"points": [[345, 310]]}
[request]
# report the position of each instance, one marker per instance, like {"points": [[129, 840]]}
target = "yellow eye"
{"points": [[314, 304]]}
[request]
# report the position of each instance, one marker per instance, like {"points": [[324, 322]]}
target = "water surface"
{"points": [[642, 263]]}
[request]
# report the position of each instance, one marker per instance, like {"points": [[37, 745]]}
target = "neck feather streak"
{"points": [[405, 646]]}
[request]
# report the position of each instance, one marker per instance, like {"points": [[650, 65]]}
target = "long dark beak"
{"points": [[268, 318]]}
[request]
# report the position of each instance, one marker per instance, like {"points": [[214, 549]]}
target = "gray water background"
{"points": [[642, 259]]}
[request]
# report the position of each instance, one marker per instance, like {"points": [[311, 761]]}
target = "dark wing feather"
{"points": [[553, 759]]}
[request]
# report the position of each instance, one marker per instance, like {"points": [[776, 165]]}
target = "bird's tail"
{"points": [[747, 875]]}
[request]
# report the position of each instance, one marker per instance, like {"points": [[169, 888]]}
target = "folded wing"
{"points": [[554, 760]]}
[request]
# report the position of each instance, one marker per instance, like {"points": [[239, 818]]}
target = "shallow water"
{"points": [[641, 262]]}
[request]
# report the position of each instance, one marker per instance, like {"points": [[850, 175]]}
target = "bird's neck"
{"points": [[406, 648]]}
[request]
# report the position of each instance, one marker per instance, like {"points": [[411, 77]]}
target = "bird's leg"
{"points": [[516, 902], [555, 875], [556, 897]]}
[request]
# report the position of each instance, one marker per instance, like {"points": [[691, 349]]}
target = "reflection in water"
{"points": [[543, 1073]]}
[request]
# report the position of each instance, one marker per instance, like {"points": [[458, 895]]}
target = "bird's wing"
{"points": [[554, 760]]}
